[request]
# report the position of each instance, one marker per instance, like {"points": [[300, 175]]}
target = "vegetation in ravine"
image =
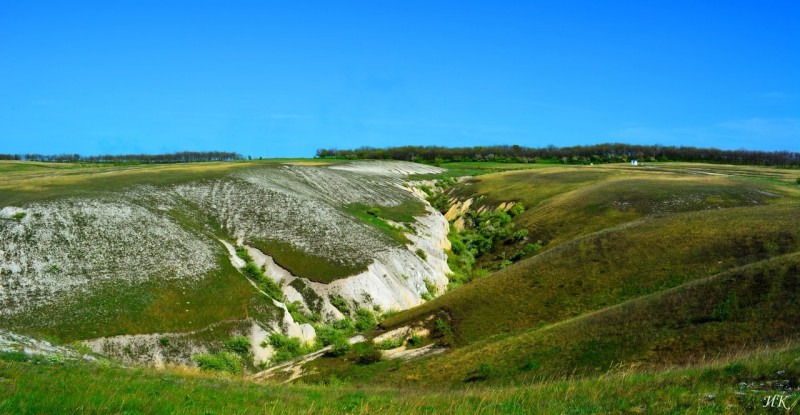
{"points": [[256, 273], [490, 239]]}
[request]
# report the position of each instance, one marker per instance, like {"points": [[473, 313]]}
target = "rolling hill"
{"points": [[664, 288]]}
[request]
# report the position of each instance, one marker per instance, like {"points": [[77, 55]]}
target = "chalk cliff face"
{"points": [[181, 236]]}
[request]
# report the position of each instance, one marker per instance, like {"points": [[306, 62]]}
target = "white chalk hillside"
{"points": [[62, 248]]}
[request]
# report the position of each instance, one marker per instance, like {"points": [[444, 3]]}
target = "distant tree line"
{"points": [[179, 157], [599, 153]]}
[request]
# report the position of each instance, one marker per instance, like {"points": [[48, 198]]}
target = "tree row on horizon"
{"points": [[178, 157], [599, 153]]}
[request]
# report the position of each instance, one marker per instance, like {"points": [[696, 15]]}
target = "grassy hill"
{"points": [[95, 250], [738, 310], [654, 267], [613, 265], [666, 288]]}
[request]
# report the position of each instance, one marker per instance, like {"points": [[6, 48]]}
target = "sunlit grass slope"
{"points": [[736, 385], [741, 309], [611, 266]]}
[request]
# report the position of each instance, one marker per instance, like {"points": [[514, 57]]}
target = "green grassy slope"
{"points": [[684, 256], [740, 309], [607, 267], [736, 385]]}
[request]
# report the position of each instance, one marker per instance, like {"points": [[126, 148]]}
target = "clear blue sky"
{"points": [[283, 79]]}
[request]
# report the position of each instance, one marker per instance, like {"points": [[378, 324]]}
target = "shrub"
{"points": [[517, 209], [527, 250], [340, 303], [422, 254], [484, 371], [431, 287], [345, 324], [239, 345], [440, 203], [390, 313], [441, 328], [19, 216], [221, 362], [518, 236], [365, 319], [329, 335], [531, 365], [339, 347], [14, 356], [365, 353], [415, 340], [265, 283], [426, 189], [391, 343], [242, 253], [426, 296], [299, 315], [164, 341], [286, 348]]}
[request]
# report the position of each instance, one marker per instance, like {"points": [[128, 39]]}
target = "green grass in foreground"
{"points": [[733, 386]]}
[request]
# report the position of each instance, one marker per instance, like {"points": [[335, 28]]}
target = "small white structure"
{"points": [[635, 162]]}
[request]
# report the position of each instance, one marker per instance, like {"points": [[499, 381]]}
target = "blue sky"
{"points": [[283, 79]]}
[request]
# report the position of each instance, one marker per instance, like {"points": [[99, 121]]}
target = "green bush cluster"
{"points": [[265, 283], [414, 341], [442, 331], [365, 319], [365, 353], [239, 345], [335, 335], [220, 362], [300, 316], [481, 236], [340, 303], [285, 347], [242, 253], [391, 343]]}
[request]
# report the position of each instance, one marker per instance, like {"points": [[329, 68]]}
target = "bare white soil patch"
{"points": [[407, 354], [12, 342]]}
